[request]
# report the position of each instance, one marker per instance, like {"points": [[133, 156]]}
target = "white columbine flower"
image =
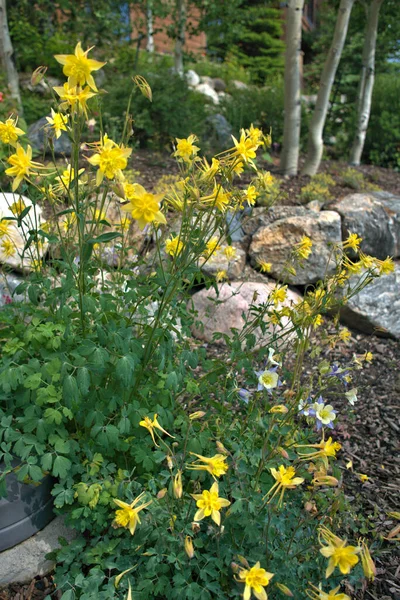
{"points": [[351, 396], [267, 380]]}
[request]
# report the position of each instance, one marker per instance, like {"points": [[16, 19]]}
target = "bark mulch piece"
{"points": [[37, 589]]}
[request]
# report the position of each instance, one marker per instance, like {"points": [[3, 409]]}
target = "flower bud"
{"points": [[170, 462], [197, 415], [195, 527], [221, 448], [189, 546], [143, 87], [325, 480], [38, 75], [284, 453], [284, 589], [177, 485], [279, 408], [162, 493], [367, 563]]}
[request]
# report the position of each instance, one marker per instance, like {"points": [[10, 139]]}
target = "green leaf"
{"points": [[61, 466], [33, 381], [83, 380], [124, 369], [105, 237], [68, 595], [52, 415], [70, 390], [35, 473], [47, 461], [171, 382]]}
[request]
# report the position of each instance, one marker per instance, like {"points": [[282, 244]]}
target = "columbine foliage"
{"points": [[189, 475]]}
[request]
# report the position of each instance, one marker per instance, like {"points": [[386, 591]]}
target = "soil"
{"points": [[369, 434]]}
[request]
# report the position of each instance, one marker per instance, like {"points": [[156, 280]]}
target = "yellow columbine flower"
{"points": [[255, 580], [345, 335], [74, 97], [367, 563], [128, 515], [151, 425], [255, 134], [285, 479], [221, 276], [304, 247], [78, 67], [219, 198], [245, 148], [339, 553], [230, 252], [278, 294], [173, 246], [211, 247], [69, 221], [316, 593], [9, 132], [143, 206], [368, 356], [385, 266], [209, 504], [265, 179], [265, 267], [185, 148], [64, 180], [323, 450], [238, 168], [58, 122], [17, 207], [279, 408], [215, 465], [21, 165], [209, 171], [251, 195], [111, 160], [4, 228], [8, 248], [352, 241]]}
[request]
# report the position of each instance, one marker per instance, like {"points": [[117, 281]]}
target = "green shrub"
{"points": [[382, 145], [229, 70], [317, 189]]}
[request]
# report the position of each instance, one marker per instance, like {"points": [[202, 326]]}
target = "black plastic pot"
{"points": [[25, 511]]}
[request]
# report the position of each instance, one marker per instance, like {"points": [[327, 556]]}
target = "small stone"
{"points": [[218, 262], [8, 283], [207, 90], [192, 78], [219, 84], [28, 559], [239, 85]]}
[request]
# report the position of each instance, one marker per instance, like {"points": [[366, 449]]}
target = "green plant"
{"points": [[102, 385], [356, 180], [317, 189]]}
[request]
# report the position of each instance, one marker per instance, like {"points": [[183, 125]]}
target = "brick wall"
{"points": [[195, 44]]}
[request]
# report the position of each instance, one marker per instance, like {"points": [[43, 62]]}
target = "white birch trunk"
{"points": [[292, 102], [317, 124], [180, 35], [6, 53], [367, 82], [150, 28]]}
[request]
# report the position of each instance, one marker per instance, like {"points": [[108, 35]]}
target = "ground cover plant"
{"points": [[186, 475]]}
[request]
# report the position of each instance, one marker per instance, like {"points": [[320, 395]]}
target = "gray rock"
{"points": [[8, 283], [262, 216], [219, 84], [376, 309], [218, 262], [192, 78], [222, 312], [40, 138], [206, 79], [27, 560], [217, 133], [239, 85], [207, 90], [374, 216], [273, 243]]}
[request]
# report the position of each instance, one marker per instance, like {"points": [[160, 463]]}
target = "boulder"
{"points": [[225, 311], [24, 562], [218, 262], [192, 78], [374, 216], [206, 79], [376, 309], [262, 216], [8, 283], [273, 243], [217, 133], [14, 256], [239, 85], [219, 84], [40, 138], [207, 90]]}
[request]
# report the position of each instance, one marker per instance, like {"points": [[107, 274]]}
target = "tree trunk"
{"points": [[6, 54], [317, 124], [180, 35], [292, 102], [149, 21], [366, 82]]}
